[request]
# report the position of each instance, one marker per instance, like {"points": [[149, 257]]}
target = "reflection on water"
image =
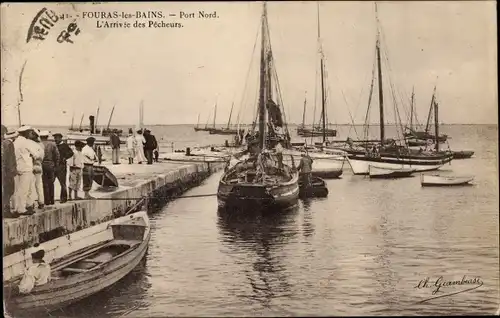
{"points": [[262, 234], [360, 251]]}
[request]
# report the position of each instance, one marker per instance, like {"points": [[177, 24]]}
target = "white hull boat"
{"points": [[82, 264], [389, 173], [361, 167], [443, 181]]}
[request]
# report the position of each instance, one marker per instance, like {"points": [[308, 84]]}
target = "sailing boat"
{"points": [[387, 154], [197, 127], [206, 128], [258, 182], [227, 130], [410, 139], [318, 130], [425, 135]]}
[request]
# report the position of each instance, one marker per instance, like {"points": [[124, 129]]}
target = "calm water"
{"points": [[361, 251]]}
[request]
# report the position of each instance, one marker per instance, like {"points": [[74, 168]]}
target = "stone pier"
{"points": [[163, 179]]}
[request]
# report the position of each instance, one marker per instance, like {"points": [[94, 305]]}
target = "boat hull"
{"points": [[360, 163], [63, 292], [441, 181], [315, 133], [381, 173], [223, 132], [247, 196], [318, 189]]}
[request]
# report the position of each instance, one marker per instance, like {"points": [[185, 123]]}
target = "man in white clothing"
{"points": [[131, 145], [89, 158], [26, 149], [37, 274]]}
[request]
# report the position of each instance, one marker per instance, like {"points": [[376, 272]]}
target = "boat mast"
{"points": [[262, 88], [111, 116], [97, 114], [198, 121], [412, 105], [141, 114], [230, 114], [81, 121], [322, 83], [21, 98], [215, 113], [430, 110], [304, 112], [436, 124], [72, 121], [380, 90]]}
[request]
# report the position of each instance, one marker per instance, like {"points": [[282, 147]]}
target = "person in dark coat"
{"points": [[65, 152], [9, 171], [50, 162], [149, 146], [115, 146]]}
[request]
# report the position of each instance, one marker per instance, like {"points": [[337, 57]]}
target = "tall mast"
{"points": [[111, 116], [430, 110], [436, 124], [81, 121], [215, 112], [323, 113], [198, 121], [304, 113], [72, 121], [97, 114], [230, 114], [412, 106], [380, 88], [20, 99], [262, 88]]}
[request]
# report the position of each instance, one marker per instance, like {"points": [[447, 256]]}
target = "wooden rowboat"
{"points": [[88, 271], [443, 181], [104, 177], [464, 154], [317, 189], [389, 173]]}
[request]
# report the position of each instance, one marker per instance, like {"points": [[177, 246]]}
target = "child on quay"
{"points": [[76, 170]]}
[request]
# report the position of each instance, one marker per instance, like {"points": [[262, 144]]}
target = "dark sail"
{"points": [[274, 113]]}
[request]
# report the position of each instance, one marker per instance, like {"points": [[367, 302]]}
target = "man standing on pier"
{"points": [[89, 158], [9, 172], [50, 161], [114, 140], [149, 146], [25, 149], [65, 153]]}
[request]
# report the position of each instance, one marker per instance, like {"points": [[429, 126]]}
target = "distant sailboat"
{"points": [[386, 153], [227, 130]]}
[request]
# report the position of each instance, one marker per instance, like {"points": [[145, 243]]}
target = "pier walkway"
{"points": [[135, 181]]}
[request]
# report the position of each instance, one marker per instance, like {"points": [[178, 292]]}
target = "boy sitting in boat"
{"points": [[37, 274]]}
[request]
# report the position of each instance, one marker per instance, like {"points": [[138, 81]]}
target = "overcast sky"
{"points": [[181, 72]]}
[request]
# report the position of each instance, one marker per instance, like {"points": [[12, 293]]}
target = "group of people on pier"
{"points": [[141, 147], [31, 163]]}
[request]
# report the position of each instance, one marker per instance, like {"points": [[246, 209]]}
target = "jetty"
{"points": [[158, 182]]}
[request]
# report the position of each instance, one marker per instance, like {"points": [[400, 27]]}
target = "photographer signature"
{"points": [[439, 286]]}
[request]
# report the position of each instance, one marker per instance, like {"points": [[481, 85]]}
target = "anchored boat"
{"points": [[110, 251], [444, 181], [259, 182], [389, 173], [387, 153]]}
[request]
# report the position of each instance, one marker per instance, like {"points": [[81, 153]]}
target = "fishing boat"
{"points": [[106, 253], [317, 189], [258, 182], [463, 154], [227, 130], [315, 131], [387, 153], [389, 173], [104, 177], [443, 181], [422, 136]]}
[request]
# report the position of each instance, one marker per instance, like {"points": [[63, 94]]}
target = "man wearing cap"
{"points": [[37, 274], [50, 160], [37, 189], [89, 158], [305, 168], [9, 172], [65, 152], [25, 149]]}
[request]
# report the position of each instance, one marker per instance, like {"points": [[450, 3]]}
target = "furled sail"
{"points": [[275, 116]]}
